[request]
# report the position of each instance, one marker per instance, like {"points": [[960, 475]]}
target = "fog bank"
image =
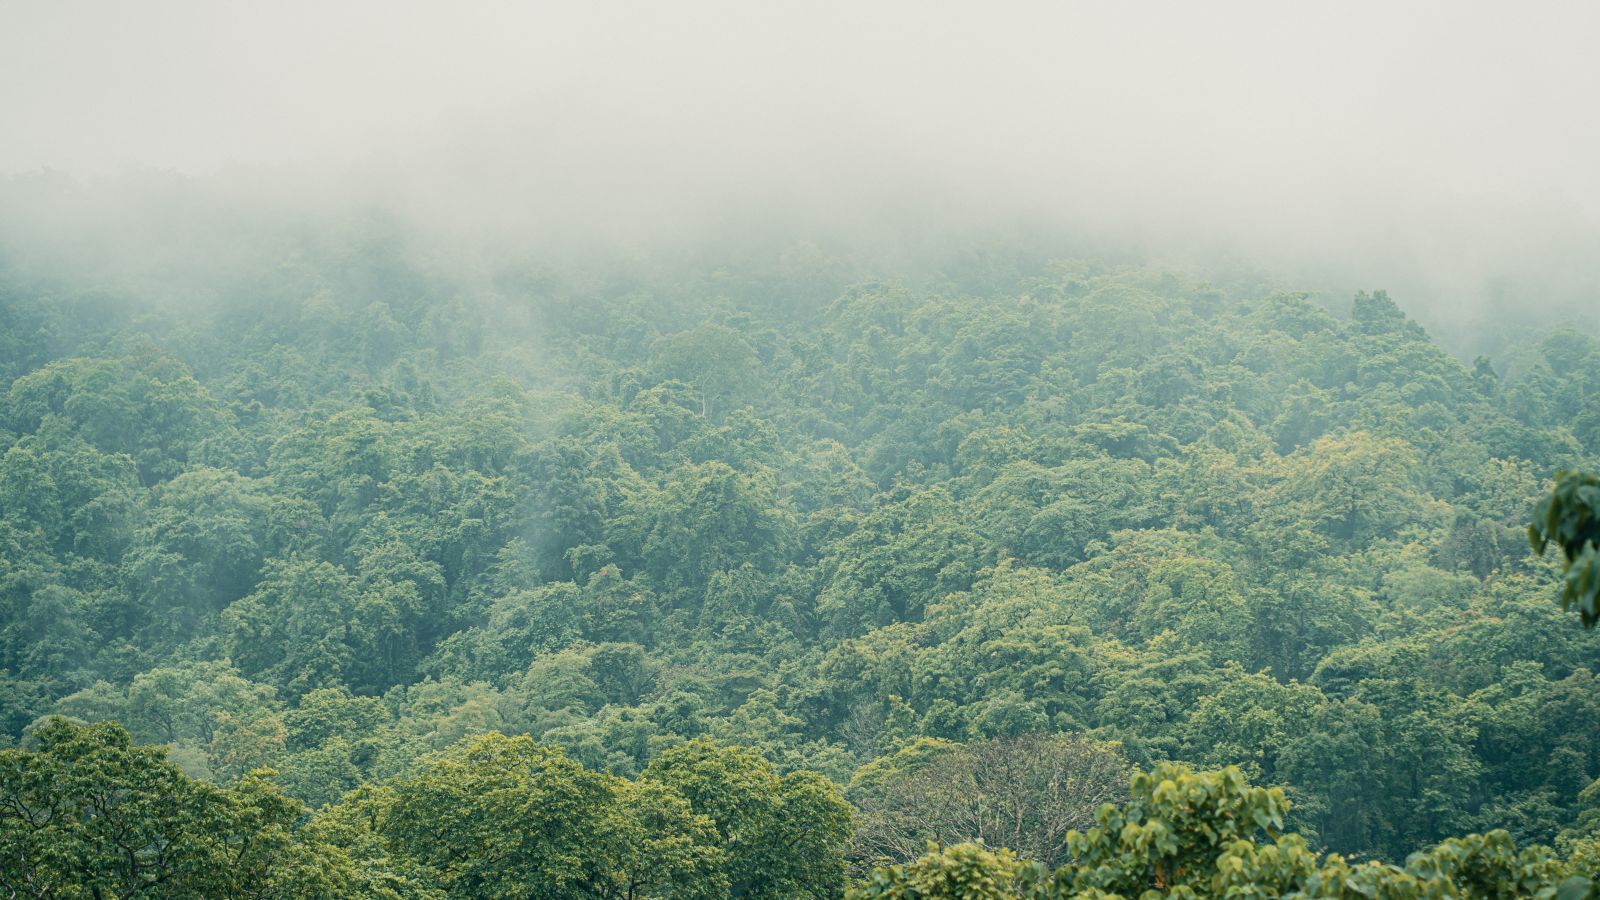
{"points": [[1443, 150]]}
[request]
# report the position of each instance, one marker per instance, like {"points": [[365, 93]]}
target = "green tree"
{"points": [[784, 835], [507, 817], [715, 360], [87, 813], [1570, 518]]}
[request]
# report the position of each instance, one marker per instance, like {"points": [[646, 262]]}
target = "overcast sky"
{"points": [[1444, 132]]}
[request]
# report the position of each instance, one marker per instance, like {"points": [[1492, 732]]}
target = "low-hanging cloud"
{"points": [[1445, 149]]}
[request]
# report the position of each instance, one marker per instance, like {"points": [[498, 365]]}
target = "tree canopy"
{"points": [[408, 575]]}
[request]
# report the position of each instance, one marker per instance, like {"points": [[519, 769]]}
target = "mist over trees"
{"points": [[718, 450], [875, 565]]}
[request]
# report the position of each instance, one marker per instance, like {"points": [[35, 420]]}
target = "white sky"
{"points": [[1504, 95], [1440, 130]]}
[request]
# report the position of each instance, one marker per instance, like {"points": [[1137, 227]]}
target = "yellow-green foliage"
{"points": [[1187, 834]]}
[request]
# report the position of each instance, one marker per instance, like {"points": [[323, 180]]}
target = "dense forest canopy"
{"points": [[717, 450], [357, 570]]}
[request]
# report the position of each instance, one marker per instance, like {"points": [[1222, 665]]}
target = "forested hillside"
{"points": [[688, 577]]}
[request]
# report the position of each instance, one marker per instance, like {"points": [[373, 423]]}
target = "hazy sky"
{"points": [[1441, 135], [1499, 94]]}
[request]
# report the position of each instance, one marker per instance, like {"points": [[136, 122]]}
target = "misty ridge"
{"points": [[827, 451], [1437, 152], [1473, 274]]}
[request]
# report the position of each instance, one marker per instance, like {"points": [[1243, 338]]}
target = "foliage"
{"points": [[1188, 834], [1570, 517], [1024, 793], [710, 537], [784, 835], [501, 814], [88, 813]]}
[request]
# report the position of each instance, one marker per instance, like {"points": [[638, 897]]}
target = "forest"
{"points": [[362, 572]]}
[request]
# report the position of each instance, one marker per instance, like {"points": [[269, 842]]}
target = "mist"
{"points": [[1443, 151]]}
